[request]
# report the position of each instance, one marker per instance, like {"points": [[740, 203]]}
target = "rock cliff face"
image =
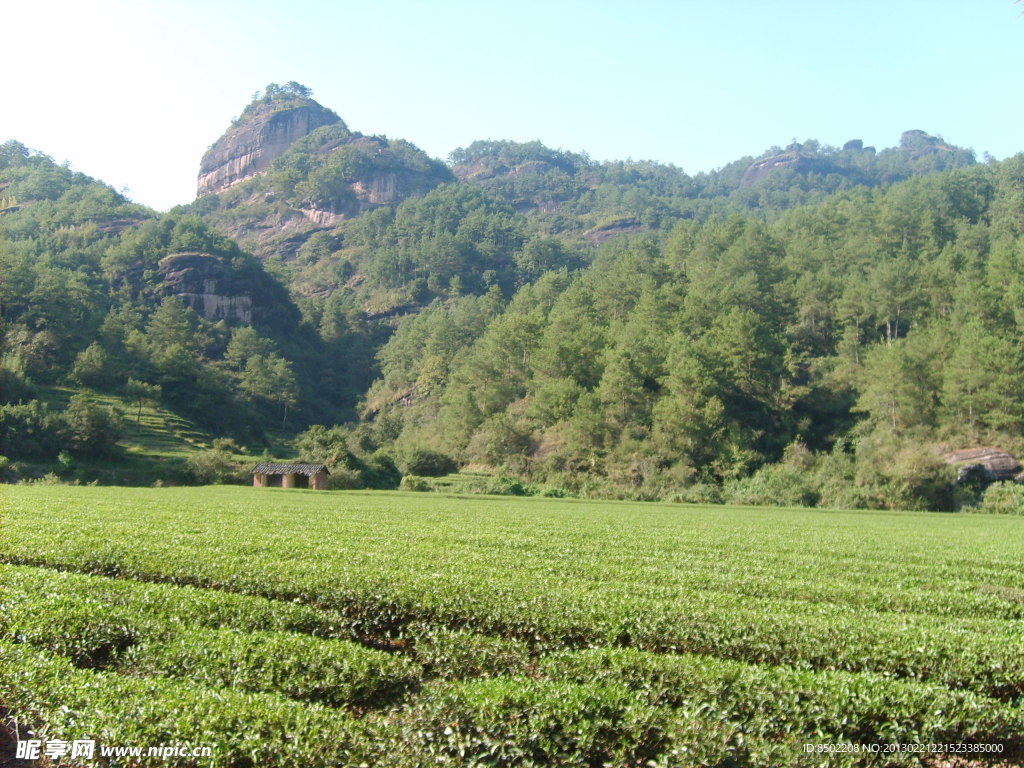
{"points": [[204, 282], [249, 146]]}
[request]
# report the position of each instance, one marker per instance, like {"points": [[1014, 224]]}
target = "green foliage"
{"points": [[867, 319], [417, 484], [216, 466], [380, 471], [496, 441], [350, 468], [93, 367], [457, 654], [502, 485], [774, 485], [622, 323], [15, 387], [86, 631], [241, 727], [540, 631], [91, 429], [150, 611], [774, 704], [520, 721], [1003, 499], [332, 672], [29, 430], [427, 463], [141, 392]]}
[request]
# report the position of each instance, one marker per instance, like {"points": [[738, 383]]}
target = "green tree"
{"points": [[270, 378], [93, 367], [93, 430], [981, 384], [140, 392], [899, 386]]}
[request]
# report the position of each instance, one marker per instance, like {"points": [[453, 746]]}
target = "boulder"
{"points": [[983, 465]]}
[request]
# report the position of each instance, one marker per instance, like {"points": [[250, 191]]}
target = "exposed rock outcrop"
{"points": [[628, 225], [249, 146], [204, 282], [485, 169], [791, 160], [983, 465], [378, 190], [921, 144]]}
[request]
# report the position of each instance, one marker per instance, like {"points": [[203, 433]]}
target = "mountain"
{"points": [[288, 168], [813, 325], [262, 134]]}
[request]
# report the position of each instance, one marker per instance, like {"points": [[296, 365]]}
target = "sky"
{"points": [[134, 92]]}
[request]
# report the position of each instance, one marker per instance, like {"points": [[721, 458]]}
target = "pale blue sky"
{"points": [[134, 92]]}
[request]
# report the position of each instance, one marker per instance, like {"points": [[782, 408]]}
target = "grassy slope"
{"points": [[155, 446], [151, 430]]}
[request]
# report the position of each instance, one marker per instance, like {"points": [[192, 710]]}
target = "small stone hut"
{"points": [[270, 475]]}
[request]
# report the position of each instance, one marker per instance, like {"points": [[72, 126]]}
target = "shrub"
{"points": [[775, 485], [14, 387], [349, 471], [214, 466], [520, 721], [245, 729], [93, 367], [381, 472], [30, 430], [88, 632], [507, 486], [497, 441], [344, 478], [1003, 499], [776, 703], [700, 493], [458, 654], [413, 483], [499, 486], [428, 463], [555, 493], [334, 672], [91, 428]]}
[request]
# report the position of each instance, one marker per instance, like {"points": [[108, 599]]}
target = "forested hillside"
{"points": [[851, 339], [814, 325], [104, 294]]}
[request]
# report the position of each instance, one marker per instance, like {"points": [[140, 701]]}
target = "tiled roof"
{"points": [[269, 468]]}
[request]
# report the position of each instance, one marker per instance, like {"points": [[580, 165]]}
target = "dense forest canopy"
{"points": [[815, 325]]}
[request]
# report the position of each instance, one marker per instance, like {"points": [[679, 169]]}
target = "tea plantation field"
{"points": [[295, 628]]}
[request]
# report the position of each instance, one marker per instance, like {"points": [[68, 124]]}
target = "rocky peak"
{"points": [[920, 143], [264, 131]]}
